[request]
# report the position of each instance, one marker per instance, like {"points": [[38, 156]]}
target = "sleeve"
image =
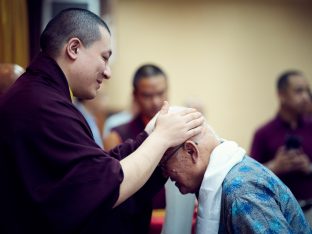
{"points": [[123, 150], [152, 186], [250, 215], [155, 182]]}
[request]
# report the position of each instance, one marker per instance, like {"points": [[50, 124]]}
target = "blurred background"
{"points": [[226, 54]]}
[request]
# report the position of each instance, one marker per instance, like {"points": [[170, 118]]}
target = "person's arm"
{"points": [[286, 161], [261, 213], [171, 129], [248, 215], [263, 205], [259, 152]]}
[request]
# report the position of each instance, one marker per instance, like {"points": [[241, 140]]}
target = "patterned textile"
{"points": [[254, 200]]}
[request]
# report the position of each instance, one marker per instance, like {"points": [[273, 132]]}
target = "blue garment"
{"points": [[92, 124], [115, 120], [254, 200]]}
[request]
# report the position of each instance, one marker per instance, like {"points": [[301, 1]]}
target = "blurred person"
{"points": [[54, 177], [120, 118], [235, 193], [91, 109], [8, 75], [284, 144], [150, 89], [309, 111]]}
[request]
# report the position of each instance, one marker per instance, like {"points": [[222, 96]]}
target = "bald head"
{"points": [[186, 163], [8, 75], [206, 130]]}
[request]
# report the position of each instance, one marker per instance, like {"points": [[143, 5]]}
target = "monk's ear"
{"points": [[72, 48], [191, 149]]}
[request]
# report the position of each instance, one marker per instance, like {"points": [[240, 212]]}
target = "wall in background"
{"points": [[226, 53]]}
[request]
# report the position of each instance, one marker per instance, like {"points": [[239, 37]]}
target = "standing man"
{"points": [[284, 144], [150, 90], [54, 177]]}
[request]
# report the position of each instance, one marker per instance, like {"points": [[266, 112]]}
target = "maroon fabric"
{"points": [[271, 136], [135, 214], [130, 130], [54, 178]]}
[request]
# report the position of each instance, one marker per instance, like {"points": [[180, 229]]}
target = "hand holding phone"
{"points": [[292, 142]]}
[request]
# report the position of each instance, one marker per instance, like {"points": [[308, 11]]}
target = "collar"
{"points": [[51, 73], [71, 94], [283, 122], [223, 158]]}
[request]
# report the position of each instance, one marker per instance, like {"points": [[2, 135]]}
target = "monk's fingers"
{"points": [[193, 117], [187, 111], [194, 131], [194, 123]]}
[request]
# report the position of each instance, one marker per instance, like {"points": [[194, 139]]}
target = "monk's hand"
{"points": [[176, 127]]}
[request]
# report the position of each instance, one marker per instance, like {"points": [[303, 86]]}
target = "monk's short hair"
{"points": [[69, 23]]}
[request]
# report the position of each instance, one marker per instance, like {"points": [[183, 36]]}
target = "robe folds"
{"points": [[54, 178]]}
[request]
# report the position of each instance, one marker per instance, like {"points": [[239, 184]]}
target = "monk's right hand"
{"points": [[175, 128]]}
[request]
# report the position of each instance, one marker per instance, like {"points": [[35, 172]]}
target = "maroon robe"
{"points": [[272, 135], [134, 215], [54, 178]]}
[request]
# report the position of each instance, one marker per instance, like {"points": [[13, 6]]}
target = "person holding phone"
{"points": [[284, 144]]}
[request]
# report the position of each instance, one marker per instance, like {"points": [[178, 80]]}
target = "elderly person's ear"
{"points": [[191, 149]]}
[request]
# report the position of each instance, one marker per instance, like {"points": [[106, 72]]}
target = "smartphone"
{"points": [[292, 142]]}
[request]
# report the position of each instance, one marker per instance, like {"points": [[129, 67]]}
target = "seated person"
{"points": [[235, 193]]}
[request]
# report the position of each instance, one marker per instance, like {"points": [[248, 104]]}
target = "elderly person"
{"points": [[235, 193]]}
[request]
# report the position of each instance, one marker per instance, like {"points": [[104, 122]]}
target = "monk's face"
{"points": [[150, 94], [91, 67]]}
